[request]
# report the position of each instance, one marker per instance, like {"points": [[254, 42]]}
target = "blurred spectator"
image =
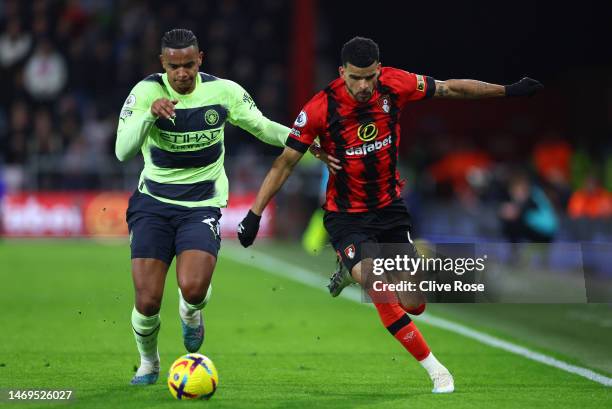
{"points": [[98, 131], [45, 73], [45, 140], [466, 171], [592, 201], [18, 131], [552, 157], [14, 44], [580, 167], [527, 215], [77, 64], [100, 70], [40, 19], [70, 127], [14, 48], [78, 167], [552, 160], [72, 21]]}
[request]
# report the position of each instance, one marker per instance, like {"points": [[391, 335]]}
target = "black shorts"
{"points": [[348, 231], [161, 230]]}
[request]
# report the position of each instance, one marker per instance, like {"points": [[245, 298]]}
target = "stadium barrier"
{"points": [[97, 214]]}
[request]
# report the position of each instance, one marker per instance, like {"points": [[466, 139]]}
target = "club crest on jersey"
{"points": [[384, 103], [350, 251], [367, 132], [301, 119], [211, 117]]}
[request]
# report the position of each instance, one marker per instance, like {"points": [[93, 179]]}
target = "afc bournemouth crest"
{"points": [[384, 102], [350, 251]]}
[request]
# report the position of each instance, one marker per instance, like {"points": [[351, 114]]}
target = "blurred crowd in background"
{"points": [[67, 66]]}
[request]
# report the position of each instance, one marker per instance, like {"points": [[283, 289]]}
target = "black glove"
{"points": [[525, 87], [248, 228]]}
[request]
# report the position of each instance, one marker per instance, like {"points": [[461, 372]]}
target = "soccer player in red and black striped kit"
{"points": [[356, 119]]}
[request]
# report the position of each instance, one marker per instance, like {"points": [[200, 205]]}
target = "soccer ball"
{"points": [[193, 376]]}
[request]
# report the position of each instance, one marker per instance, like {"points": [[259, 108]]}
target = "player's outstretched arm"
{"points": [[276, 177], [276, 134], [245, 114], [472, 89]]}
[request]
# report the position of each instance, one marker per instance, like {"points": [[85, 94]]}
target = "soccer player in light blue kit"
{"points": [[177, 120]]}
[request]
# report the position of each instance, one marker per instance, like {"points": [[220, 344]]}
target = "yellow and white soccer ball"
{"points": [[193, 376]]}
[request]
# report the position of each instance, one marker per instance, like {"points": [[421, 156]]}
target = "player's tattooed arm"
{"points": [[468, 89]]}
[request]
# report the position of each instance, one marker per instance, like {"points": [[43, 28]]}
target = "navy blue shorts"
{"points": [[348, 231], [161, 230]]}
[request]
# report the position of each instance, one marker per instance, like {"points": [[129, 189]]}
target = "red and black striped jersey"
{"points": [[364, 136]]}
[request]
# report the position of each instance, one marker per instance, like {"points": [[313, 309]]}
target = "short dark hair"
{"points": [[179, 38], [360, 51]]}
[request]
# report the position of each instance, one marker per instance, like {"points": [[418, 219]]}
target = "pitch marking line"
{"points": [[286, 270]]}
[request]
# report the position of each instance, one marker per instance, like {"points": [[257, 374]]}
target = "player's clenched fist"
{"points": [[164, 108], [525, 87], [248, 228]]}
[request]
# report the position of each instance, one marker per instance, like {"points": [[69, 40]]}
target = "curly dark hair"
{"points": [[360, 52]]}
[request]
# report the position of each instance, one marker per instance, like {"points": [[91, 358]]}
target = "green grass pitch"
{"points": [[64, 324]]}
